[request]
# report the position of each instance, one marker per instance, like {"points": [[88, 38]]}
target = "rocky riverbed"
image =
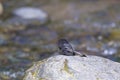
{"points": [[91, 26]]}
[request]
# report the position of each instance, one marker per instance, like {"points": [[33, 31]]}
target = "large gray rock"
{"points": [[74, 68]]}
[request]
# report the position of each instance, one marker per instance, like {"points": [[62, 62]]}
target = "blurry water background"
{"points": [[30, 29]]}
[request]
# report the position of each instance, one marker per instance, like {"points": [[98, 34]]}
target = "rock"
{"points": [[1, 9], [62, 67], [3, 39], [31, 13]]}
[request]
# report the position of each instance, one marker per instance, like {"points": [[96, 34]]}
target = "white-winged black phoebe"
{"points": [[66, 48]]}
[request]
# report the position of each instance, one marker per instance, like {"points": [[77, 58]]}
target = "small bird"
{"points": [[66, 48]]}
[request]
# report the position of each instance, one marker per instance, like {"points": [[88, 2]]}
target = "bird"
{"points": [[65, 48]]}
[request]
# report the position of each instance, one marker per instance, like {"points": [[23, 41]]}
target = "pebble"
{"points": [[31, 13], [110, 51], [3, 39]]}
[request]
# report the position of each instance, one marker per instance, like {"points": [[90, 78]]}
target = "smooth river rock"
{"points": [[62, 67], [30, 15]]}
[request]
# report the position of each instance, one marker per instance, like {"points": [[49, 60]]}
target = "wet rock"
{"points": [[31, 14], [74, 68], [109, 50], [9, 75], [3, 39]]}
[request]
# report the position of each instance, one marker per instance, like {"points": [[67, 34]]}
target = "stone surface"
{"points": [[62, 67], [31, 14]]}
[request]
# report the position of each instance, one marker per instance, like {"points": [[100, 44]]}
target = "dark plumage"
{"points": [[66, 48]]}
